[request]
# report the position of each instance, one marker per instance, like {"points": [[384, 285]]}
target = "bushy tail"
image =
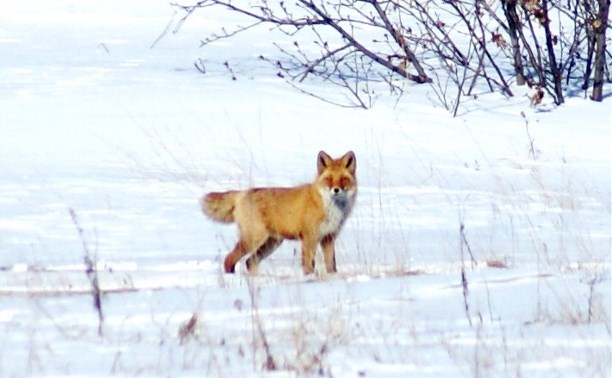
{"points": [[220, 206]]}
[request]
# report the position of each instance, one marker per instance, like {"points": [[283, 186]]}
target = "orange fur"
{"points": [[312, 213]]}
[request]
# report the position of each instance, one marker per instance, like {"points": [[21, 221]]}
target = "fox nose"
{"points": [[336, 190]]}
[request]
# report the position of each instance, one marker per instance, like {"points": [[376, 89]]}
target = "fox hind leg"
{"points": [[253, 235], [229, 264], [264, 251], [246, 244]]}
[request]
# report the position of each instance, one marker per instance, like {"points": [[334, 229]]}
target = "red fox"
{"points": [[313, 213]]}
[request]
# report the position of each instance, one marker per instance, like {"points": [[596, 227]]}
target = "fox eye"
{"points": [[344, 182]]}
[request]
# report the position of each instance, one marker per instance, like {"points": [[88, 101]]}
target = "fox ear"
{"points": [[349, 161], [323, 161]]}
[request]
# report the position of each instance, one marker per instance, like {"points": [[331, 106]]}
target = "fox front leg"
{"points": [[329, 253]]}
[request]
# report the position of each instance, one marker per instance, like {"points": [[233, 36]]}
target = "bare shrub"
{"points": [[355, 44]]}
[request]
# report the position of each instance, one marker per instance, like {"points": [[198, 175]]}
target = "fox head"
{"points": [[336, 178]]}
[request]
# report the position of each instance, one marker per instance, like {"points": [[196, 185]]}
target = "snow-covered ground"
{"points": [[106, 145]]}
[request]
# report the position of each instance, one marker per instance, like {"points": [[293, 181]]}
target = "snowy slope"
{"points": [[128, 137]]}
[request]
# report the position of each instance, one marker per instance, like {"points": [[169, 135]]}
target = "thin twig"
{"points": [[269, 364], [91, 271]]}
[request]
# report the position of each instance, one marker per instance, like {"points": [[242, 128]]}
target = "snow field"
{"points": [[129, 138]]}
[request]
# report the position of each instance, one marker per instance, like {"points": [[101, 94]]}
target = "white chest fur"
{"points": [[334, 214]]}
